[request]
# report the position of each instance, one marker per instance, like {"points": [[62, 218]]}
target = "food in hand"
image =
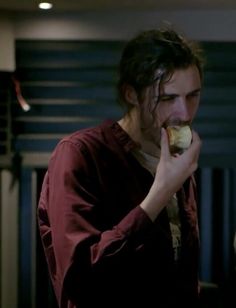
{"points": [[180, 137]]}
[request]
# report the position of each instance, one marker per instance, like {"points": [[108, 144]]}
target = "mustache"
{"points": [[176, 122]]}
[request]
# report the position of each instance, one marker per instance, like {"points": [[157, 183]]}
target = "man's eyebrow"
{"points": [[195, 91], [175, 94]]}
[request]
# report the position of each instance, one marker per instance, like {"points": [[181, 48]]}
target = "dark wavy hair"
{"points": [[155, 50]]}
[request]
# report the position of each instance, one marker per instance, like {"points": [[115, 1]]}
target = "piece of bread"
{"points": [[180, 137]]}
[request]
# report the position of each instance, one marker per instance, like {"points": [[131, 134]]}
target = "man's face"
{"points": [[178, 103]]}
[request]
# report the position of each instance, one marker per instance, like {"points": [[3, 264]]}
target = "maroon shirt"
{"points": [[102, 249]]}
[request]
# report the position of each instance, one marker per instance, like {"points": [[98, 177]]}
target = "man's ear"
{"points": [[130, 95]]}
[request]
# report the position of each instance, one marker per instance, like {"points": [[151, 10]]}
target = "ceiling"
{"points": [[81, 5]]}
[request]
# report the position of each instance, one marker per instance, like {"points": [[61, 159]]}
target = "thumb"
{"points": [[165, 151]]}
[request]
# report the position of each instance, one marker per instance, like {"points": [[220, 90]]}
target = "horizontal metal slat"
{"points": [[51, 127], [216, 112], [62, 45], [41, 136], [69, 74], [69, 92], [219, 93], [218, 78], [35, 145], [216, 130], [38, 119], [84, 110], [219, 146], [65, 101]]}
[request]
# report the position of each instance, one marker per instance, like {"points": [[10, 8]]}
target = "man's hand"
{"points": [[171, 173]]}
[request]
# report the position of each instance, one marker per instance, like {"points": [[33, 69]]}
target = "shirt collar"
{"points": [[123, 138]]}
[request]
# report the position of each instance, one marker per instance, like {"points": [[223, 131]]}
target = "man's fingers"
{"points": [[194, 150], [195, 136], [196, 141], [165, 151]]}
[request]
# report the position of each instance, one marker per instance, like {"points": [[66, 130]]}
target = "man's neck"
{"points": [[130, 123]]}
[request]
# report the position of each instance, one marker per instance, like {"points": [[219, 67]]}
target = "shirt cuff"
{"points": [[135, 222]]}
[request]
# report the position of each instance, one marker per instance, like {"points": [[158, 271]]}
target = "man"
{"points": [[117, 212]]}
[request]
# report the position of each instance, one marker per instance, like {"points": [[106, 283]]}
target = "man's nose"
{"points": [[184, 110]]}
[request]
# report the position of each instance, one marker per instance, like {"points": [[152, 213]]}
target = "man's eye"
{"points": [[166, 98], [196, 94]]}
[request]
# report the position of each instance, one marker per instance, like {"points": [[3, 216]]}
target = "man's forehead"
{"points": [[188, 78]]}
